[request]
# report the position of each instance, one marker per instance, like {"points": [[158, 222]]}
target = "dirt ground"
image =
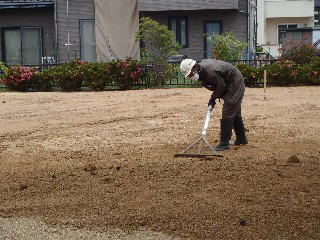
{"points": [[105, 160]]}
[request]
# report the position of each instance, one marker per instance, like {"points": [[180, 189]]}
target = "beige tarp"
{"points": [[117, 22]]}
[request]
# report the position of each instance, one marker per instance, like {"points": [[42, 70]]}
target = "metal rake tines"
{"points": [[201, 144]]}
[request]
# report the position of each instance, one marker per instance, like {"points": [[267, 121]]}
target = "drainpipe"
{"points": [[249, 29], [56, 29]]}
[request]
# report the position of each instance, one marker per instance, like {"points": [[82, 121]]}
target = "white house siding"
{"points": [[272, 27], [271, 13], [289, 8]]}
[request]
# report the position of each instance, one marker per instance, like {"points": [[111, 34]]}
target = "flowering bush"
{"points": [[126, 73], [69, 76], [299, 52], [309, 73], [96, 76], [282, 73], [18, 78]]}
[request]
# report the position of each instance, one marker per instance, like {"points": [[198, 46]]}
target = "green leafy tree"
{"points": [[159, 43], [227, 47]]}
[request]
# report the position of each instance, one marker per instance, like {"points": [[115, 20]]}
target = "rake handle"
{"points": [[206, 123]]}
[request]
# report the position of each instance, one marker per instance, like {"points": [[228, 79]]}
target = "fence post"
{"points": [[264, 84]]}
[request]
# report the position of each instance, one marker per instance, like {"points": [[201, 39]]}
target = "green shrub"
{"points": [[250, 74], [96, 76], [3, 68], [227, 47], [126, 73], [42, 81], [159, 45], [69, 76], [282, 73], [18, 78]]}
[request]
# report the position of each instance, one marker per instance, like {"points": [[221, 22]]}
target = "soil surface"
{"points": [[99, 161]]}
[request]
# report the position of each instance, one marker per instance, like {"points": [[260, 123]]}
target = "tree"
{"points": [[159, 44], [227, 47]]}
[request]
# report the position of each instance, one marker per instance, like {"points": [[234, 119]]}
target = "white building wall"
{"points": [[271, 13], [272, 27], [261, 22], [288, 8]]}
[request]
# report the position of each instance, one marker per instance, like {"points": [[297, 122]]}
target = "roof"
{"points": [[171, 5], [8, 4]]}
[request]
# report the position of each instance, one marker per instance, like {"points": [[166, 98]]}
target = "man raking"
{"points": [[227, 83]]}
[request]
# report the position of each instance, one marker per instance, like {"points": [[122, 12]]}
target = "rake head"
{"points": [[199, 149]]}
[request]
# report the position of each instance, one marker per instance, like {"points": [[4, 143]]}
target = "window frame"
{"points": [[205, 29], [95, 35], [20, 28], [178, 25], [278, 30]]}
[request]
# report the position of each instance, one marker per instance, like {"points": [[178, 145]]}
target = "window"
{"points": [[281, 30], [317, 17], [179, 26], [22, 45], [210, 28], [88, 40]]}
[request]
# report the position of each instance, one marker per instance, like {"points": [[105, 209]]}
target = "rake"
{"points": [[201, 143]]}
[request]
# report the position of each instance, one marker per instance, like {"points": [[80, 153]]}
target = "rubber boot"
{"points": [[225, 134], [240, 132]]}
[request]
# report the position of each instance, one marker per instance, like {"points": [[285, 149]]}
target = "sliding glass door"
{"points": [[22, 45], [210, 28]]}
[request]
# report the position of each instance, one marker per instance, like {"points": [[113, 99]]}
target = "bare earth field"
{"points": [[100, 165]]}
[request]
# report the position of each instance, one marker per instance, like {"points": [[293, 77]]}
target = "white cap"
{"points": [[186, 66]]}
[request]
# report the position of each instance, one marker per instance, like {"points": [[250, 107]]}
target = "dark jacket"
{"points": [[216, 75], [226, 82]]}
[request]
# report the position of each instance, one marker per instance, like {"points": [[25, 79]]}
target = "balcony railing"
{"points": [[6, 4]]}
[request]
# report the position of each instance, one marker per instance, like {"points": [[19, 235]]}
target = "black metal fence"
{"points": [[255, 63], [177, 80]]}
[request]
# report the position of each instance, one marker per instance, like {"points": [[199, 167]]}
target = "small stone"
{"points": [[293, 159], [243, 222], [23, 187], [90, 168], [3, 101]]}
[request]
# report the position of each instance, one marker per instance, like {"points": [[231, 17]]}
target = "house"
{"points": [[191, 20], [40, 31], [277, 16], [27, 31], [317, 13], [33, 32]]}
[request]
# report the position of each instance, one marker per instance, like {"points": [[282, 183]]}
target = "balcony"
{"points": [[14, 4], [289, 9]]}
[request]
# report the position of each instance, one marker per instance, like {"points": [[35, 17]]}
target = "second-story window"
{"points": [[179, 26]]}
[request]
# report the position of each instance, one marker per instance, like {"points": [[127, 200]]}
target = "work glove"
{"points": [[212, 102]]}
